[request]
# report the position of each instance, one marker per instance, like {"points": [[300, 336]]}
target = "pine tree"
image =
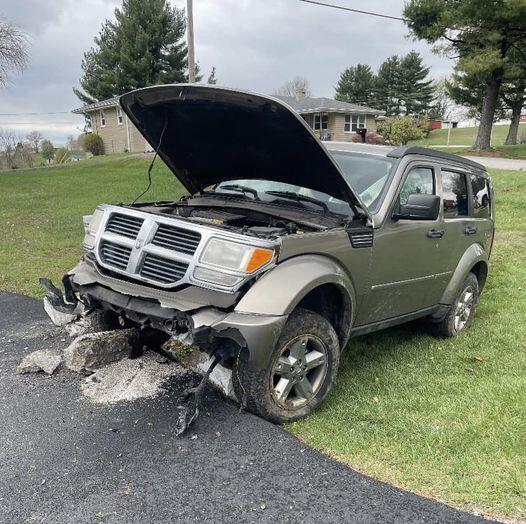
{"points": [[144, 46], [387, 87], [481, 34], [415, 92], [356, 85]]}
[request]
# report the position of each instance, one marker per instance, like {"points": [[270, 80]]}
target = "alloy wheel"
{"points": [[464, 307], [299, 372]]}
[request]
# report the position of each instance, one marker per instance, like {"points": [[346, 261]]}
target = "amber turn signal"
{"points": [[258, 259]]}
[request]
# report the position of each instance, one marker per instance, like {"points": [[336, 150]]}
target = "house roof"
{"points": [[110, 102], [315, 105], [304, 106]]}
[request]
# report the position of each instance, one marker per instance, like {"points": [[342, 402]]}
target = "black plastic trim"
{"points": [[403, 151]]}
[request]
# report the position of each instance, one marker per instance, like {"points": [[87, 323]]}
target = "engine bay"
{"points": [[244, 220]]}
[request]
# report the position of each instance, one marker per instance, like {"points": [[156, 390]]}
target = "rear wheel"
{"points": [[302, 369], [462, 311]]}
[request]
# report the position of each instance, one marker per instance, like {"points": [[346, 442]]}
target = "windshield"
{"points": [[367, 175], [289, 194]]}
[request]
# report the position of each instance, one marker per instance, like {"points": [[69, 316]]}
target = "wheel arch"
{"points": [[474, 260], [303, 281], [332, 302]]}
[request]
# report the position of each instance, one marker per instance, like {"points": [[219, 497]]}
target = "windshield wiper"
{"points": [[240, 189], [299, 198]]}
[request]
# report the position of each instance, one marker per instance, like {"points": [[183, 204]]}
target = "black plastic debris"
{"points": [[194, 397]]}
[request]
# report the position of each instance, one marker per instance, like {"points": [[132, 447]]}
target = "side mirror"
{"points": [[419, 207]]}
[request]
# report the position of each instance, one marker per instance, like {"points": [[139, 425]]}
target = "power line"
{"points": [[359, 11], [35, 114]]}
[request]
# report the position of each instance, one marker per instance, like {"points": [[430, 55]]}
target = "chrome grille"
{"points": [[125, 225], [114, 254], [176, 238], [162, 269]]}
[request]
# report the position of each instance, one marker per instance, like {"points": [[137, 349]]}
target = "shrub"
{"points": [[93, 144], [401, 130], [522, 139], [61, 155]]}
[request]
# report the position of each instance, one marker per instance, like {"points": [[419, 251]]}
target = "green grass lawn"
{"points": [[518, 151], [443, 418], [465, 136]]}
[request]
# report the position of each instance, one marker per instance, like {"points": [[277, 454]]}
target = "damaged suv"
{"points": [[284, 247]]}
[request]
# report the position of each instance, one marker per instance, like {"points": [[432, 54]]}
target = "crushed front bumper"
{"points": [[195, 316]]}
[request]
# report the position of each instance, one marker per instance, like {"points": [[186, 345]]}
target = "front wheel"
{"points": [[302, 370]]}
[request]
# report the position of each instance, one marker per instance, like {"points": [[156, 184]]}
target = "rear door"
{"points": [[467, 209]]}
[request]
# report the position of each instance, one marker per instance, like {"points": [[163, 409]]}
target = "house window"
{"points": [[102, 119], [321, 121], [119, 116], [354, 122]]}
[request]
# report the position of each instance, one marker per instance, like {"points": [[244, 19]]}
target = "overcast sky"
{"points": [[254, 44]]}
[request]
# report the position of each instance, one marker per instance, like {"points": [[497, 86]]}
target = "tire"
{"points": [[295, 363], [450, 325]]}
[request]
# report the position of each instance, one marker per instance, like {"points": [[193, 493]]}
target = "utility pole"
{"points": [[190, 40]]}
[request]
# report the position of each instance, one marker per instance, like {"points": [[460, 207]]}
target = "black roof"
{"points": [[400, 152]]}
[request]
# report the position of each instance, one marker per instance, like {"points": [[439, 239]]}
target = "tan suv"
{"points": [[285, 247]]}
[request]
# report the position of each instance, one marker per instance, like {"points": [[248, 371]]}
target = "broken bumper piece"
{"points": [[193, 317]]}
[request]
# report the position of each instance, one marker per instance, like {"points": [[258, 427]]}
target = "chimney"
{"points": [[301, 93]]}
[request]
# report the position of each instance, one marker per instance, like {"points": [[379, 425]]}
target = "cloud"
{"points": [[253, 45]]}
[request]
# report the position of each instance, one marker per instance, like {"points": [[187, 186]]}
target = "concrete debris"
{"points": [[58, 317], [221, 377], [42, 360], [128, 380], [79, 327], [94, 350]]}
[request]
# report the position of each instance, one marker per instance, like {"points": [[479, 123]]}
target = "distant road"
{"points": [[499, 163]]}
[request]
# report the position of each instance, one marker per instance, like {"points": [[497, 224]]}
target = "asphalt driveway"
{"points": [[64, 459]]}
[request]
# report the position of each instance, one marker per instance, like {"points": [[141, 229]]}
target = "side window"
{"points": [[454, 194], [481, 196], [419, 180]]}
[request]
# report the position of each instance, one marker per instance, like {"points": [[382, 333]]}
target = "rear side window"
{"points": [[420, 181], [454, 194], [481, 196]]}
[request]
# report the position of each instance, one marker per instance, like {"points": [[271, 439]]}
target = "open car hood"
{"points": [[215, 134]]}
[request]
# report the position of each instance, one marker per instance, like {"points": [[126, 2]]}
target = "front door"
{"points": [[409, 257]]}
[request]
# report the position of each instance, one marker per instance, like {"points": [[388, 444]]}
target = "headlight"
{"points": [[91, 227], [223, 257], [234, 256]]}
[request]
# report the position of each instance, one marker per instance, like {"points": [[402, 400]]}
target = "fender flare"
{"points": [[473, 255], [280, 290]]}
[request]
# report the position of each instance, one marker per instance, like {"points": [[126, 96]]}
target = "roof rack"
{"points": [[400, 152]]}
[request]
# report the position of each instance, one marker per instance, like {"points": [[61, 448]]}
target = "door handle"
{"points": [[435, 233], [470, 230]]}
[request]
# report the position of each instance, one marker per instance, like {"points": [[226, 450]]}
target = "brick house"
{"points": [[327, 117], [339, 119], [108, 120]]}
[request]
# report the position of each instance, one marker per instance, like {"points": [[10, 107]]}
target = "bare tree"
{"points": [[8, 143], [34, 138], [298, 87], [73, 143], [13, 50]]}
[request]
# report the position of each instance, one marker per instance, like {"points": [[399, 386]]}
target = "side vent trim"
{"points": [[361, 238]]}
